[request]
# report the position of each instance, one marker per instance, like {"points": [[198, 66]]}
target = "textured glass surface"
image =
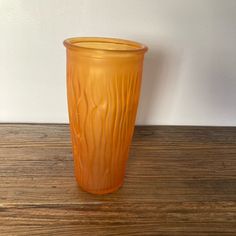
{"points": [[103, 87]]}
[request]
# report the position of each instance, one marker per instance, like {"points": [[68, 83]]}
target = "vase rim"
{"points": [[105, 44]]}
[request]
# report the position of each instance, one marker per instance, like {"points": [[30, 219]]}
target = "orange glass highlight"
{"points": [[103, 86]]}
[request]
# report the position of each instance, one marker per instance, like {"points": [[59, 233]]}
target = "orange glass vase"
{"points": [[103, 87]]}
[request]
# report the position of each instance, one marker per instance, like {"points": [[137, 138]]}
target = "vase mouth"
{"points": [[105, 44]]}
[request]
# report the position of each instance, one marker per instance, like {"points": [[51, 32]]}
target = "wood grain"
{"points": [[179, 181]]}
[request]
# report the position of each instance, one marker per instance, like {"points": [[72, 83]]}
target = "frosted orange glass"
{"points": [[103, 87]]}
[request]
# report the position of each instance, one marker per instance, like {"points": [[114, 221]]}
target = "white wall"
{"points": [[190, 69]]}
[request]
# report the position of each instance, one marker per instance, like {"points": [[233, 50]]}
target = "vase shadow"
{"points": [[159, 86]]}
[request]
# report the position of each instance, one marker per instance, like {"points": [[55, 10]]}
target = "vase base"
{"points": [[101, 192]]}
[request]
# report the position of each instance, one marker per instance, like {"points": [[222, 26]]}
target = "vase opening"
{"points": [[104, 44]]}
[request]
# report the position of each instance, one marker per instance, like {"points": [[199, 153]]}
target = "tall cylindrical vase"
{"points": [[103, 86]]}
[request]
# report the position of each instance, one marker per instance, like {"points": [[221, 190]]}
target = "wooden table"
{"points": [[179, 181]]}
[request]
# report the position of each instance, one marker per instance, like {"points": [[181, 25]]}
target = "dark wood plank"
{"points": [[179, 181]]}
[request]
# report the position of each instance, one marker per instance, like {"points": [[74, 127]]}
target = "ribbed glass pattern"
{"points": [[103, 92]]}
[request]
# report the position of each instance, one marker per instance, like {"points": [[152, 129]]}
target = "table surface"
{"points": [[179, 181]]}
